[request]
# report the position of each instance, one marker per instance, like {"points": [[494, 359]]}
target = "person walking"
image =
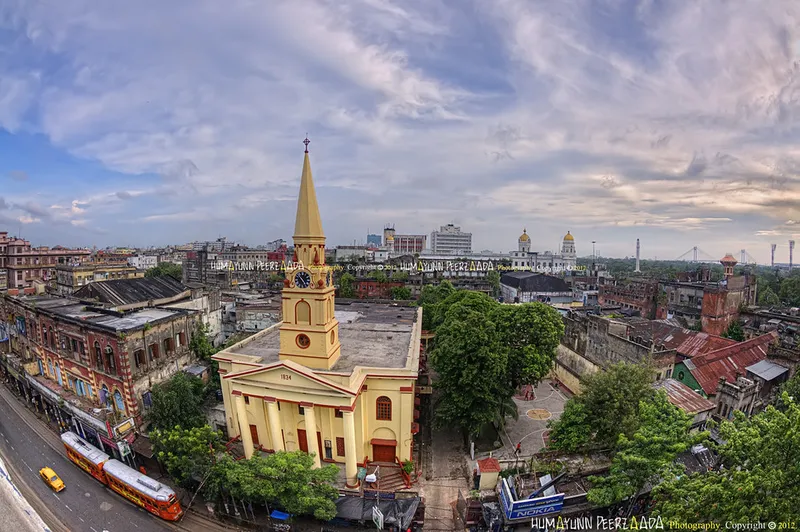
{"points": [[518, 450]]}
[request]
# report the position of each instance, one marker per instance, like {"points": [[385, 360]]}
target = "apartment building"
{"points": [[23, 264]]}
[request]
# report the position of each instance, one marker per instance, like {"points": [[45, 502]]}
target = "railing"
{"points": [[406, 477]]}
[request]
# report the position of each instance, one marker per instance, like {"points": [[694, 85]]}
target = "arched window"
{"points": [[50, 367], [119, 402], [110, 362], [302, 313], [52, 337], [98, 355], [58, 376], [383, 409]]}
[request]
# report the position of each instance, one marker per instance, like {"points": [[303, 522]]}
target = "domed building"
{"points": [[545, 261]]}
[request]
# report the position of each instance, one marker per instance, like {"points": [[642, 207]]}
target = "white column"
{"points": [[350, 458], [275, 425], [311, 432], [244, 426]]}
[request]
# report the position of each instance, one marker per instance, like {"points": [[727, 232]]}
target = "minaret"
{"points": [[637, 270], [309, 334]]}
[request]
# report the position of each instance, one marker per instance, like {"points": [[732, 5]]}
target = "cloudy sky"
{"points": [[151, 122]]}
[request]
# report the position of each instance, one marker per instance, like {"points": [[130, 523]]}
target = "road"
{"points": [[85, 505]]}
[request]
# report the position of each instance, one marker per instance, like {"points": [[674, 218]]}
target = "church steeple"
{"points": [[307, 225]]}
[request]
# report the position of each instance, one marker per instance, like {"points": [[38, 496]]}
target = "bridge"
{"points": [[695, 254]]}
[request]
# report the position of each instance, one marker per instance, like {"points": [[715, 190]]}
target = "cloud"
{"points": [[624, 121], [18, 175]]}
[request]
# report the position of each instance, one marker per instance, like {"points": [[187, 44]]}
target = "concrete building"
{"points": [[527, 287], [374, 240], [143, 262], [334, 381], [23, 264], [740, 394], [410, 243], [91, 367], [217, 246], [544, 261], [71, 277], [346, 253], [3, 280], [450, 240], [786, 322]]}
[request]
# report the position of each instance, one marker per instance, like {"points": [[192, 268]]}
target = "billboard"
{"points": [[528, 508]]}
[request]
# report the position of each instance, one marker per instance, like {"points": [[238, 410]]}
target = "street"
{"points": [[85, 504]]}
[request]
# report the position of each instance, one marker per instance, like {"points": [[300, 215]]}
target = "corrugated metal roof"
{"points": [[684, 397], [685, 341], [767, 370], [119, 292], [726, 362]]}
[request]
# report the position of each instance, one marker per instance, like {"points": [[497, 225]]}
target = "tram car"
{"points": [[141, 490]]}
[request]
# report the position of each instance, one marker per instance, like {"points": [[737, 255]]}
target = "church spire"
{"points": [[308, 225]]}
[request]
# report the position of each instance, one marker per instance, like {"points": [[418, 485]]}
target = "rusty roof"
{"points": [[685, 341], [489, 465], [684, 397], [726, 362]]}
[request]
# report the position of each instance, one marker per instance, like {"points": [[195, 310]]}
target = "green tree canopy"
{"points": [[758, 480], [530, 333], [734, 332], [790, 290], [429, 299], [177, 402], [200, 344], [649, 455], [285, 479], [166, 269], [187, 454], [493, 278], [471, 369], [401, 293], [768, 297], [346, 288], [610, 402]]}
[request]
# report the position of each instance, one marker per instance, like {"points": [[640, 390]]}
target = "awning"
{"points": [[142, 446], [398, 512]]}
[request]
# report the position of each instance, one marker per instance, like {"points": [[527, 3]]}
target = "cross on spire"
{"points": [[306, 142]]}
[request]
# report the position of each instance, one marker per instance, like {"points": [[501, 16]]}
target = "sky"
{"points": [[151, 123]]}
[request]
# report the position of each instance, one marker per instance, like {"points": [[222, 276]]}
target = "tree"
{"points": [[734, 332], [200, 344], [650, 454], [398, 275], [430, 298], [285, 479], [166, 269], [493, 278], [531, 333], [471, 369], [768, 297], [792, 389], [620, 389], [177, 402], [379, 275], [187, 454], [790, 290], [346, 289], [401, 293], [758, 477]]}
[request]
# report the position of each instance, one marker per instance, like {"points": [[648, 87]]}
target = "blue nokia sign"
{"points": [[527, 508]]}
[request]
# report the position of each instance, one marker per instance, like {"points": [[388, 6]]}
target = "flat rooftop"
{"points": [[371, 335], [72, 309]]}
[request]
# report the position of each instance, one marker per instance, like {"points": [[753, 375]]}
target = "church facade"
{"points": [[335, 382], [544, 262]]}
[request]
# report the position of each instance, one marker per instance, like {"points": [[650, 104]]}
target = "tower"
{"points": [[309, 334], [728, 262], [772, 256], [637, 270], [791, 254], [524, 242]]}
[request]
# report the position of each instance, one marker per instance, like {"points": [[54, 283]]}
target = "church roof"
{"points": [[568, 237], [308, 222]]}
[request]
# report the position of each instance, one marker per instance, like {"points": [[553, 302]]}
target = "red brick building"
{"points": [[635, 294], [372, 289], [93, 368], [25, 264]]}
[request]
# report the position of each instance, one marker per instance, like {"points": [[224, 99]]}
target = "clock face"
{"points": [[302, 280]]}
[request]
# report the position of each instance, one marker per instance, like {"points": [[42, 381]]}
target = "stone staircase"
{"points": [[390, 477]]}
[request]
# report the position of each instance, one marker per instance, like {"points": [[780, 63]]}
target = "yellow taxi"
{"points": [[52, 480]]}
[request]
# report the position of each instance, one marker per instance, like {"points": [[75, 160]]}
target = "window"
{"points": [[383, 409], [138, 358], [339, 413], [98, 356], [110, 361], [246, 399], [680, 375], [340, 446], [119, 402], [74, 346], [301, 410]]}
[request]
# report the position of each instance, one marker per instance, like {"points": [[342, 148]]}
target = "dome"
{"points": [[389, 238], [568, 237], [524, 236]]}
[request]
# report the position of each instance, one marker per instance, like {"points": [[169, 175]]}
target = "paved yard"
{"points": [[529, 430]]}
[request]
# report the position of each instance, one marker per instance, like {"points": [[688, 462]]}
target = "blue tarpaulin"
{"points": [[281, 516]]}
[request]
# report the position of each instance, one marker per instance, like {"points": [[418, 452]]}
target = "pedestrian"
{"points": [[518, 450]]}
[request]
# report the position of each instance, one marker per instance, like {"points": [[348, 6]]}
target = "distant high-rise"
{"points": [[637, 270], [772, 257], [450, 240], [374, 240]]}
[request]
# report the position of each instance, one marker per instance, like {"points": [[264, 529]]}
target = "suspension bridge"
{"points": [[695, 254]]}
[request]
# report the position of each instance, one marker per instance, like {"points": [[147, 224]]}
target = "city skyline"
{"points": [[135, 124]]}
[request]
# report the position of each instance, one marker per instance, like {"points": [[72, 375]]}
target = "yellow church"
{"points": [[334, 381]]}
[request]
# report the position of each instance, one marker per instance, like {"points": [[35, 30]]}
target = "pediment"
{"points": [[288, 375]]}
